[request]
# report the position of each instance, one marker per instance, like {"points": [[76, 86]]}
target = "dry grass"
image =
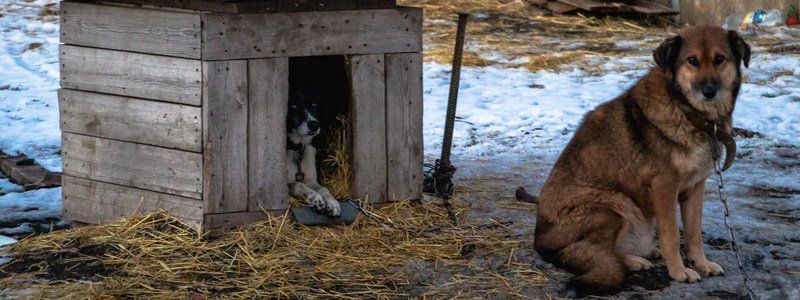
{"points": [[514, 30], [335, 169], [158, 257]]}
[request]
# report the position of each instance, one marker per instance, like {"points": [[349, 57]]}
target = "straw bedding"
{"points": [[157, 256]]}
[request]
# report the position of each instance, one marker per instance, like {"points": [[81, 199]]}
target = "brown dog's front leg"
{"points": [[664, 198], [692, 215]]}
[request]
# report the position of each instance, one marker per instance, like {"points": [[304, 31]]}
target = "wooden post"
{"points": [[368, 125], [269, 100], [404, 125], [225, 136]]}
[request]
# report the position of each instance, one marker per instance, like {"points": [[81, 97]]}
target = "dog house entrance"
{"points": [[324, 80]]}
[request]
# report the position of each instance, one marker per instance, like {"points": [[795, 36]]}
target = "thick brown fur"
{"points": [[637, 157]]}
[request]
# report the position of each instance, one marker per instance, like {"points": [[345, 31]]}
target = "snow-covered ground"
{"points": [[28, 109], [514, 111]]}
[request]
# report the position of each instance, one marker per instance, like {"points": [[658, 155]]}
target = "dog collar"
{"points": [[294, 146], [301, 151], [714, 129]]}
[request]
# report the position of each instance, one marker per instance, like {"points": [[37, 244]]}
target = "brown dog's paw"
{"points": [[684, 274], [636, 263], [707, 268]]}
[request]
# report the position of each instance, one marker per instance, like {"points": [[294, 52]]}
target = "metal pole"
{"points": [[452, 99]]}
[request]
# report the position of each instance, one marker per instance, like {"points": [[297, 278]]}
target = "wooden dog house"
{"points": [[181, 105]]}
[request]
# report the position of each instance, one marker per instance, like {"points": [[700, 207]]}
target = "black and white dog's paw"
{"points": [[324, 205], [333, 206], [317, 202]]}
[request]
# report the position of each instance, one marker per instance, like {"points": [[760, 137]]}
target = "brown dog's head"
{"points": [[704, 64]]}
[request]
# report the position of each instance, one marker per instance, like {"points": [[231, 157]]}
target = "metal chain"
{"points": [[723, 197]]}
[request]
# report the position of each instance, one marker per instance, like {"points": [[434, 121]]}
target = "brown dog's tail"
{"points": [[522, 195]]}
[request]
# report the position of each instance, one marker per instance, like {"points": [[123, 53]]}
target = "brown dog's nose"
{"points": [[709, 91]]}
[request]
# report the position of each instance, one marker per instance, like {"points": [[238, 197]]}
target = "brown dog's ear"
{"points": [[667, 53], [740, 48]]}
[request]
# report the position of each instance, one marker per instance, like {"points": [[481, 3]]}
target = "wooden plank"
{"points": [[141, 166], [225, 136], [326, 5], [560, 8], [91, 201], [232, 220], [268, 105], [236, 36], [130, 119], [538, 2], [267, 6], [131, 74], [404, 145], [652, 8], [131, 29], [597, 5], [368, 123], [24, 171]]}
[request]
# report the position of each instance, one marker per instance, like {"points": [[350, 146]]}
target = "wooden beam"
{"points": [[267, 6], [232, 220], [131, 29], [404, 125], [24, 171], [130, 119], [368, 124], [138, 75], [141, 166], [268, 105], [225, 136], [92, 201], [237, 36]]}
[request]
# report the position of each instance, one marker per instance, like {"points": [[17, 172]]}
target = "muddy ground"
{"points": [[766, 214]]}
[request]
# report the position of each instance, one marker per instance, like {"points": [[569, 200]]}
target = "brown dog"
{"points": [[635, 158]]}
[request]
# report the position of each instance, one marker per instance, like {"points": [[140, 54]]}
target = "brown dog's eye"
{"points": [[719, 59], [693, 61]]}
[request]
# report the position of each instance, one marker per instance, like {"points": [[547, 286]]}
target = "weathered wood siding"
{"points": [[138, 75], [225, 136], [132, 29], [368, 125], [230, 220], [236, 36], [131, 119], [404, 125], [141, 166], [267, 110], [93, 201], [270, 6]]}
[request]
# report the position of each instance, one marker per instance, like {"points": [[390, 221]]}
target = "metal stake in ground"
{"points": [[444, 170]]}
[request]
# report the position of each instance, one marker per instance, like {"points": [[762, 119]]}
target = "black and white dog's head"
{"points": [[302, 123]]}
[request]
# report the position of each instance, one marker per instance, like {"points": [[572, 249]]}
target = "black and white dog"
{"points": [[302, 125]]}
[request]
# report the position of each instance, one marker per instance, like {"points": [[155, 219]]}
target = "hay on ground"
{"points": [[157, 257], [515, 33]]}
